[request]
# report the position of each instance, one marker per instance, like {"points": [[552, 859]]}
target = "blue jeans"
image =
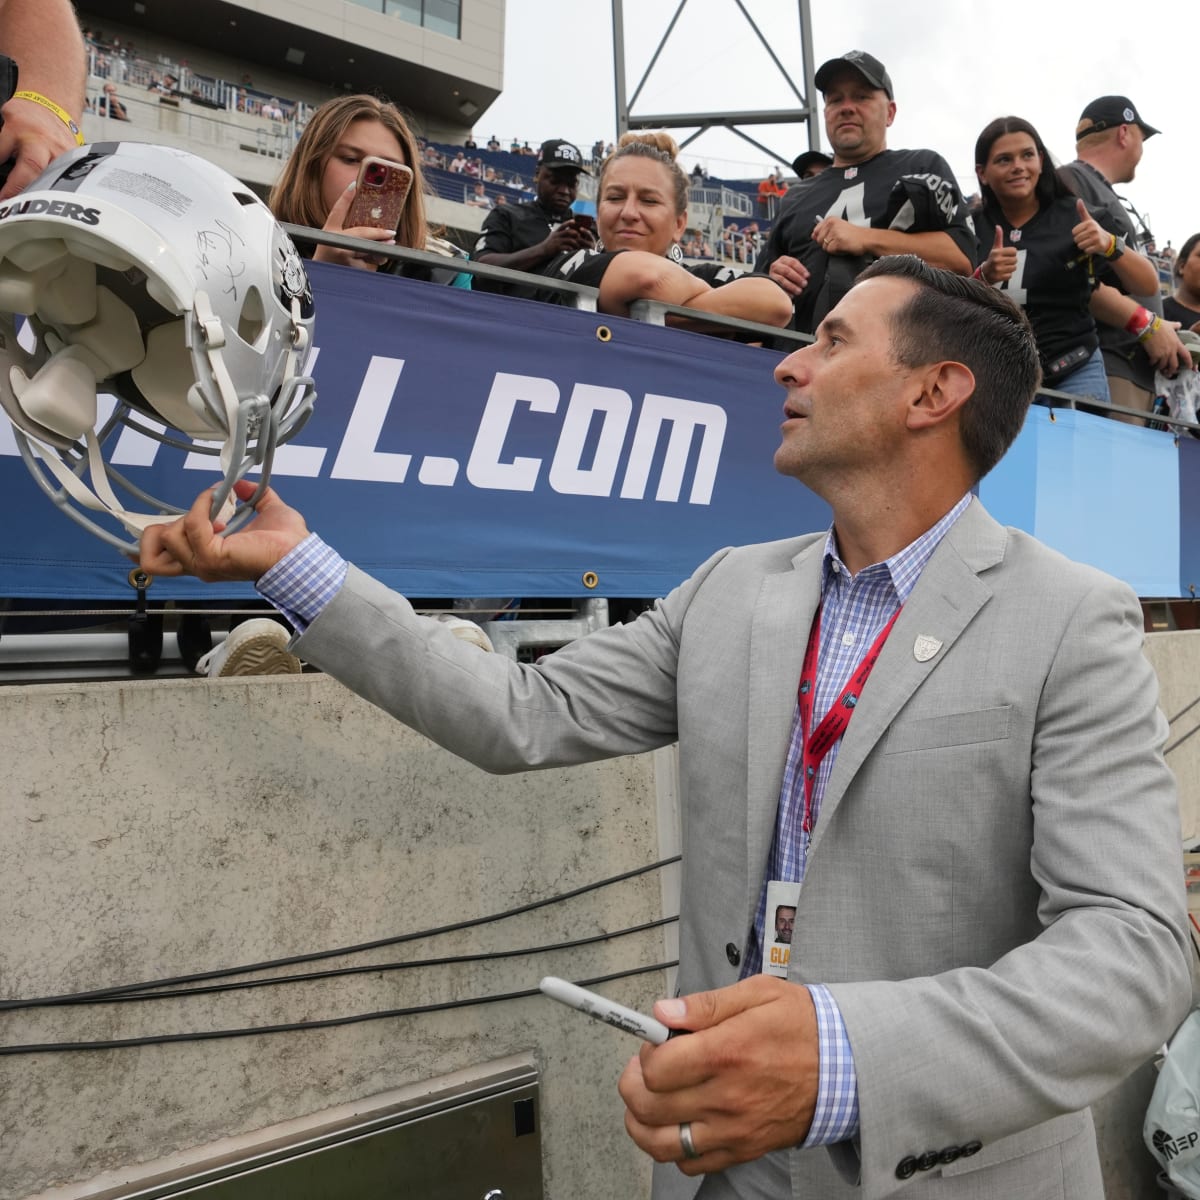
{"points": [[1088, 380]]}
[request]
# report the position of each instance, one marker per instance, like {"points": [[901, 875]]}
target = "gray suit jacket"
{"points": [[994, 890]]}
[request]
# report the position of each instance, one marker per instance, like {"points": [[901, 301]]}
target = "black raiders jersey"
{"points": [[1053, 281], [509, 228], [588, 267], [911, 191]]}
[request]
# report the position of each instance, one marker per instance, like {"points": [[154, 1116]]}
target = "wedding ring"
{"points": [[685, 1139]]}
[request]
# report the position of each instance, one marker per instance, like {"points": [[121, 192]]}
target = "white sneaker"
{"points": [[467, 630], [257, 647]]}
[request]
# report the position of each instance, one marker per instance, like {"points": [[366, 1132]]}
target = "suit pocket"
{"points": [[953, 729]]}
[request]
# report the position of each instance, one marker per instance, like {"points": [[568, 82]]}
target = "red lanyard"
{"points": [[834, 723]]}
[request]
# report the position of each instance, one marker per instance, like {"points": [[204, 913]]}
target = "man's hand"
{"points": [[1165, 351], [790, 273], [32, 135], [1001, 261], [745, 1078], [192, 545], [836, 236], [568, 236]]}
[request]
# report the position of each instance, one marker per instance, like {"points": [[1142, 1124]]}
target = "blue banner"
{"points": [[465, 444]]}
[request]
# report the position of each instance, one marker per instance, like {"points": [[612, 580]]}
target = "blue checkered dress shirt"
{"points": [[853, 613]]}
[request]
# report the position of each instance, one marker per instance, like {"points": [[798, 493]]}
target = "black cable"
{"points": [[308, 976], [317, 955], [328, 1023]]}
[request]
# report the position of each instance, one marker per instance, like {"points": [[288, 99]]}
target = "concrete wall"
{"points": [[159, 828], [155, 829]]}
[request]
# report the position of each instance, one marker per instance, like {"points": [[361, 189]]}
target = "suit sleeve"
{"points": [[976, 1054], [610, 693]]}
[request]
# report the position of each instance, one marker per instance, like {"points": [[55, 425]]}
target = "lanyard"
{"points": [[834, 723]]}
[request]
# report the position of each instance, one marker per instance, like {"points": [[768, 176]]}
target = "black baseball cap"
{"points": [[810, 158], [1107, 113], [559, 155], [867, 65]]}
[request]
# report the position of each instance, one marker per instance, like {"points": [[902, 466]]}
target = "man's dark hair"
{"points": [[959, 319]]}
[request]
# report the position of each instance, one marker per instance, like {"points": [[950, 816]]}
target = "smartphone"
{"points": [[608, 1011], [584, 221], [381, 194]]}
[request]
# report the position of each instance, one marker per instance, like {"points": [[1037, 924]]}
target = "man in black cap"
{"points": [[1109, 139], [524, 237], [810, 163], [871, 201]]}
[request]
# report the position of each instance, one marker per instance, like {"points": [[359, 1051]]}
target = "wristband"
{"points": [[61, 113], [978, 274], [1116, 247], [1141, 320], [1150, 329]]}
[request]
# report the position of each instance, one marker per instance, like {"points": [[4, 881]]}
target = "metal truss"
{"points": [[805, 111]]}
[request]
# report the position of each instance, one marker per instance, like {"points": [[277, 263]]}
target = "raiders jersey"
{"points": [[1053, 281], [588, 267], [911, 191], [510, 228]]}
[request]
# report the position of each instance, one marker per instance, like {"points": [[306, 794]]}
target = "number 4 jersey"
{"points": [[1053, 280], [910, 191]]}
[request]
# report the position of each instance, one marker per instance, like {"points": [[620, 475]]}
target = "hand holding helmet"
{"points": [[149, 273]]}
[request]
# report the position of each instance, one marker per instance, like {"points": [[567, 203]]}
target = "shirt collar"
{"points": [[905, 566]]}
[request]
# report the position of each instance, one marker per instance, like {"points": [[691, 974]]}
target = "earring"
{"points": [[675, 253]]}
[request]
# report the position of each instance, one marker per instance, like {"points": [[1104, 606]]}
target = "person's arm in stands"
{"points": [[1136, 272], [938, 249], [43, 38], [636, 275], [361, 259], [1163, 347], [567, 236]]}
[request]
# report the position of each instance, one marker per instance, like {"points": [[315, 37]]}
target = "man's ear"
{"points": [[947, 386]]}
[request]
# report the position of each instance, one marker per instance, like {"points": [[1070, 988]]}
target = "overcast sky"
{"points": [[955, 65]]}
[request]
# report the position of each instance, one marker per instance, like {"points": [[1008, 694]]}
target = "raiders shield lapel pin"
{"points": [[925, 647]]}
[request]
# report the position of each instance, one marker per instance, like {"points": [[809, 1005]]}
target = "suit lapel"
{"points": [[782, 618], [943, 603]]}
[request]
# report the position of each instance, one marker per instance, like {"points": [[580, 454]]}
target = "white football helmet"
{"points": [[151, 274]]}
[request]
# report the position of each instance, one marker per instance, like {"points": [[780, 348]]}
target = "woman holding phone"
{"points": [[1037, 241], [320, 181], [641, 216]]}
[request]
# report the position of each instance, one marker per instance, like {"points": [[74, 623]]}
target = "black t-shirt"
{"points": [[1174, 311], [1052, 282], [510, 228], [1123, 355], [588, 267], [911, 191]]}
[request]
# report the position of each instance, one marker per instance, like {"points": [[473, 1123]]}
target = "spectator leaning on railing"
{"points": [[641, 214], [872, 201], [318, 182]]}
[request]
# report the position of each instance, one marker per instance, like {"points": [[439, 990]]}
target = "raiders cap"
{"points": [[867, 65], [1109, 112]]}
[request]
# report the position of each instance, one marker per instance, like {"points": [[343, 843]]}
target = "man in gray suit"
{"points": [[939, 734]]}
